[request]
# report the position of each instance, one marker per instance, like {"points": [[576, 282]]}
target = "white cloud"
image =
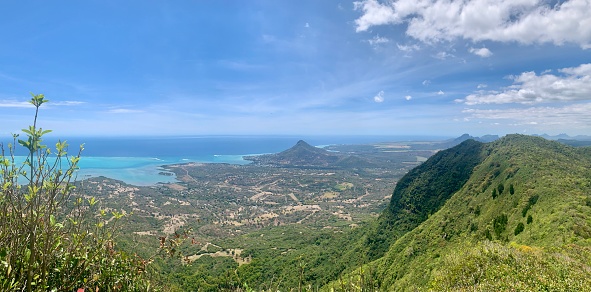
{"points": [[379, 97], [523, 21], [66, 103], [376, 40], [582, 70], [481, 85], [408, 97], [408, 48], [482, 52], [426, 82], [307, 25], [528, 87], [440, 92], [374, 13], [15, 104], [26, 104], [443, 55]]}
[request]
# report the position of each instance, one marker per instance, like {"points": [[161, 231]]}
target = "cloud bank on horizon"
{"points": [[400, 67]]}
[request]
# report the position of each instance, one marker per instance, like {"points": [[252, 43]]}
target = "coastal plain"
{"points": [[302, 189]]}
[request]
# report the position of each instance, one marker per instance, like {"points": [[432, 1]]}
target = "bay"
{"points": [[139, 160]]}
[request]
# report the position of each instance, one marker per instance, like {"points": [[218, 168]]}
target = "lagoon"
{"points": [[139, 160]]}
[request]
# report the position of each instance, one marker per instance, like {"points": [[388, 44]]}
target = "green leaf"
{"points": [[28, 131], [23, 143], [52, 220], [38, 99]]}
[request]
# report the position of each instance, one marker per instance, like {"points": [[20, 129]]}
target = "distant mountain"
{"points": [[301, 154], [453, 142], [565, 137], [575, 143], [488, 138], [514, 214]]}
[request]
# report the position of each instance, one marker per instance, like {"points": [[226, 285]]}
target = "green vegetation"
{"points": [[422, 192], [519, 228], [532, 201], [491, 266], [443, 231], [551, 183], [52, 239], [499, 225], [270, 227]]}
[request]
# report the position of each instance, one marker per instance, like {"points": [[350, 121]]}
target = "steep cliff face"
{"points": [[422, 192], [511, 214]]}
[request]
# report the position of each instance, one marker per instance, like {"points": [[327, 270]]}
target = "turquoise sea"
{"points": [[143, 171], [139, 160]]}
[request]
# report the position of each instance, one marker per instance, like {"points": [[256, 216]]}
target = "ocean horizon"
{"points": [[140, 160]]}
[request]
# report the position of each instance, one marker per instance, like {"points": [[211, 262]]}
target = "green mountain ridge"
{"points": [[520, 220], [421, 192]]}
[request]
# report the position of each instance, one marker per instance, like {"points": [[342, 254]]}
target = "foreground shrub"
{"points": [[52, 239]]}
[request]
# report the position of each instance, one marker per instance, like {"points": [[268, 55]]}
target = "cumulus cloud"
{"points": [[482, 52], [408, 97], [440, 92], [481, 85], [426, 82], [374, 13], [523, 21], [379, 97], [574, 84]]}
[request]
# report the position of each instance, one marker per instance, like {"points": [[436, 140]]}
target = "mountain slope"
{"points": [[522, 220], [422, 192]]}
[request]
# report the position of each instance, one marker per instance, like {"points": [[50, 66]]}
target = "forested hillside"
{"points": [[521, 221]]}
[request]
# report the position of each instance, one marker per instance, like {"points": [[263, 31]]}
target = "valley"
{"points": [[329, 219], [224, 205]]}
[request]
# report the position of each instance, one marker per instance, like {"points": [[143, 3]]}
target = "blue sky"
{"points": [[420, 67]]}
